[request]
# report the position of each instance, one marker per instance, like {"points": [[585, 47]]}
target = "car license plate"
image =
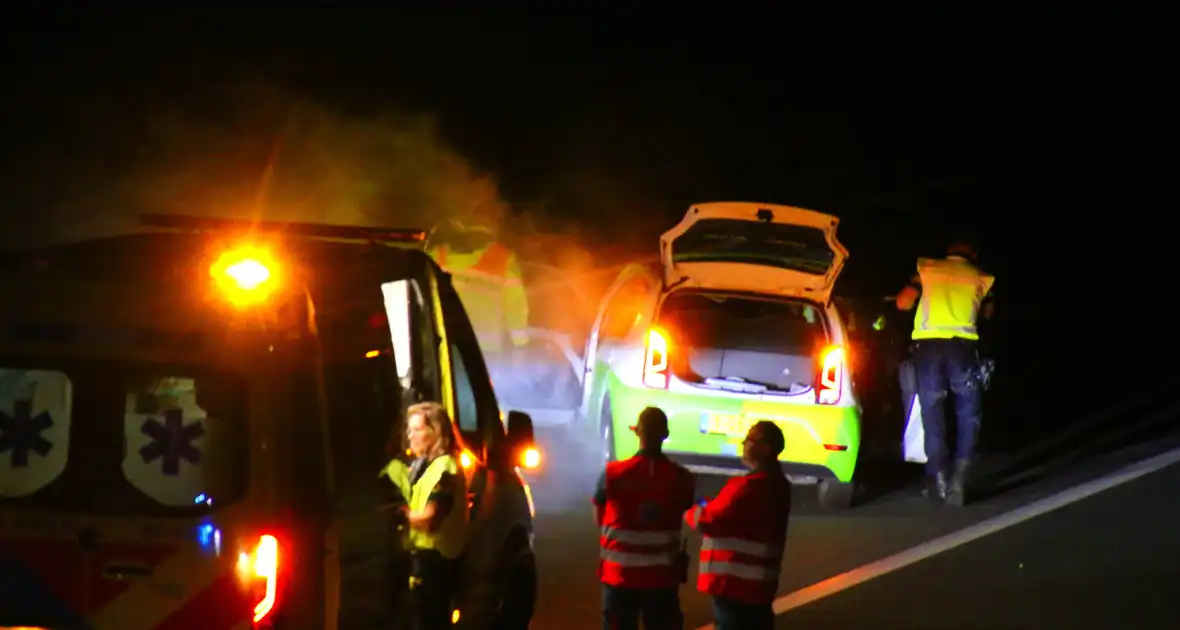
{"points": [[728, 424], [732, 425]]}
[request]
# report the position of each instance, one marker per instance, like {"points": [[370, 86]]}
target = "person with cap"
{"points": [[743, 535], [638, 504], [950, 294]]}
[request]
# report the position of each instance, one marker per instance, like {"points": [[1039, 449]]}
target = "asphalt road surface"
{"points": [[1108, 561], [1115, 552]]}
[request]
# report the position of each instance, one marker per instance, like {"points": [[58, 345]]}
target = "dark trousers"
{"points": [[622, 608], [730, 614], [430, 603], [952, 365]]}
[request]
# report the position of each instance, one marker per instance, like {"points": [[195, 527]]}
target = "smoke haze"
{"points": [[253, 149]]}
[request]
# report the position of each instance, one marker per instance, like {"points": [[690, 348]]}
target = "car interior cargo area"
{"points": [[742, 343]]}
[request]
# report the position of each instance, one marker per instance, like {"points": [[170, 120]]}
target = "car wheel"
{"points": [[607, 429], [835, 495], [520, 600]]}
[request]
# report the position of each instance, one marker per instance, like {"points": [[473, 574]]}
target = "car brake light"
{"points": [[829, 380], [259, 569], [655, 360]]}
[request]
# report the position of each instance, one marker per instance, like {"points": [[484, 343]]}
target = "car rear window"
{"points": [[712, 320], [121, 438], [795, 247]]}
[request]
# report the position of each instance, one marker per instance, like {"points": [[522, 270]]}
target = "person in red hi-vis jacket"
{"points": [[639, 503], [743, 533]]}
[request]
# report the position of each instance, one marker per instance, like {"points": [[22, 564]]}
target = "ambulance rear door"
{"points": [[122, 483]]}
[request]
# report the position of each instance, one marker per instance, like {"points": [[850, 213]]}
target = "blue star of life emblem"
{"points": [[171, 442], [21, 433]]}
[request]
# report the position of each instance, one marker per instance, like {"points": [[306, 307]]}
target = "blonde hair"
{"points": [[436, 417]]}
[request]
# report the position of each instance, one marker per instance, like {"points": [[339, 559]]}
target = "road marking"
{"points": [[859, 575]]}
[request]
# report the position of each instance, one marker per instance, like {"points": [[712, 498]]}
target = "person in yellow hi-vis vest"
{"points": [[436, 511], [486, 275], [950, 294]]}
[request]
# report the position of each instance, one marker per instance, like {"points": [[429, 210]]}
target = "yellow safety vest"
{"points": [[952, 290], [450, 537], [489, 284]]}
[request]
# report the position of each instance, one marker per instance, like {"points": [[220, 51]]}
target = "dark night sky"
{"points": [[1049, 131]]}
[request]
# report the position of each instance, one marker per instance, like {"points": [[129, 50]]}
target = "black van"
{"points": [[193, 420]]}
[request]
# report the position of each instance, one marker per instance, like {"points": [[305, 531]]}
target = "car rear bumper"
{"points": [[728, 466], [822, 441]]}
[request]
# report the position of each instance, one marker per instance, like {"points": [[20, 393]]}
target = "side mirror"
{"points": [[522, 447], [520, 429]]}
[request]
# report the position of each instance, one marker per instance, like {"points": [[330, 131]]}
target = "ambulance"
{"points": [[194, 419]]}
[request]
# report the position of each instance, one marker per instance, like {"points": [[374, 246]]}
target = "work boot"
{"points": [[936, 487], [957, 493]]}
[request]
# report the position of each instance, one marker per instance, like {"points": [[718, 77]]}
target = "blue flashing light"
{"points": [[201, 498], [205, 534], [209, 536]]}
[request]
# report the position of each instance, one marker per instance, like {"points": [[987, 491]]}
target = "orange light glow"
{"points": [[466, 459], [244, 275], [372, 354], [266, 567], [531, 458], [260, 567], [830, 376], [655, 360], [249, 274], [455, 617]]}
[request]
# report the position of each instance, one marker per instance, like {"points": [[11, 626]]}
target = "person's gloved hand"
{"points": [[399, 474]]}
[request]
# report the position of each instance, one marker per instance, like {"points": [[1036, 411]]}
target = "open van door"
{"points": [[745, 246]]}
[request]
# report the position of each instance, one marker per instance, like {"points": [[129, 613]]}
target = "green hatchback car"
{"points": [[734, 325]]}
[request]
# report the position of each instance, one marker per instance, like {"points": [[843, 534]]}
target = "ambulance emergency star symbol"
{"points": [[21, 433], [171, 441]]}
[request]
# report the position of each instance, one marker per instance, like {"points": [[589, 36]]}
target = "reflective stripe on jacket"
{"points": [[744, 532], [952, 290], [640, 537]]}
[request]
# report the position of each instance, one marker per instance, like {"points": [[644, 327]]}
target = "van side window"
{"points": [[465, 405]]}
